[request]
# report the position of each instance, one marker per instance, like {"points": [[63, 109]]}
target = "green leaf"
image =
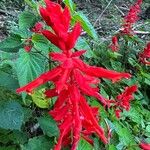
{"points": [[70, 4], [86, 25], [112, 147], [124, 134], [24, 33], [41, 43], [8, 148], [82, 44], [84, 145], [39, 99], [11, 44], [11, 115], [48, 125], [27, 20], [29, 66], [8, 81], [38, 143]]}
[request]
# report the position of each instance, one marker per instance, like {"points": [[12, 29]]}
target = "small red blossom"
{"points": [[145, 55], [28, 48], [114, 46], [123, 100], [131, 18], [73, 80], [38, 27], [144, 146]]}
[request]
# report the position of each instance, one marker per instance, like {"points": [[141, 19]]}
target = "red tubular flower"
{"points": [[144, 146], [123, 100], [28, 48], [145, 55], [114, 45], [131, 18], [73, 80]]}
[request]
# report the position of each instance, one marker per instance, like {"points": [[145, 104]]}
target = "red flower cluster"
{"points": [[123, 100], [131, 18], [145, 55], [144, 146], [114, 46], [73, 80]]}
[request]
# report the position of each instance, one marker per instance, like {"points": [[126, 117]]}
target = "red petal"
{"points": [[51, 93], [58, 56], [144, 146], [73, 36], [45, 77], [78, 53]]}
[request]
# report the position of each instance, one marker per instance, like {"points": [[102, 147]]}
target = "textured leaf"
{"points": [[48, 125], [84, 145], [11, 115], [8, 81], [38, 143], [86, 25], [39, 99], [27, 20], [11, 44], [29, 66]]}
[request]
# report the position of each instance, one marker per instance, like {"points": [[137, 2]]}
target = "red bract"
{"points": [[144, 146], [145, 55], [114, 45], [38, 27], [123, 100], [73, 80], [131, 18], [28, 48]]}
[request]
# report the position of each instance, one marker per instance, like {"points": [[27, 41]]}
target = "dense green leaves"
{"points": [[11, 44], [48, 125], [27, 20], [11, 115]]}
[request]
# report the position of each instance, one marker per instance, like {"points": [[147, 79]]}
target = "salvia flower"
{"points": [[144, 146], [123, 100], [145, 55], [114, 46], [38, 27], [73, 80], [131, 18]]}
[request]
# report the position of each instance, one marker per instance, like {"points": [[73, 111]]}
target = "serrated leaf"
{"points": [[48, 125], [86, 25], [84, 145], [27, 20], [8, 81], [39, 99], [38, 143], [29, 66], [11, 44], [11, 115], [24, 33]]}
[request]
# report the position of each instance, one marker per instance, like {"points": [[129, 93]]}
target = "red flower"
{"points": [[131, 18], [28, 48], [38, 27], [73, 80], [145, 55], [144, 146], [123, 100], [114, 45]]}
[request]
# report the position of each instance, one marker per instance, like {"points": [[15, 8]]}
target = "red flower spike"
{"points": [[144, 146], [131, 18], [143, 56], [73, 80], [114, 45]]}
